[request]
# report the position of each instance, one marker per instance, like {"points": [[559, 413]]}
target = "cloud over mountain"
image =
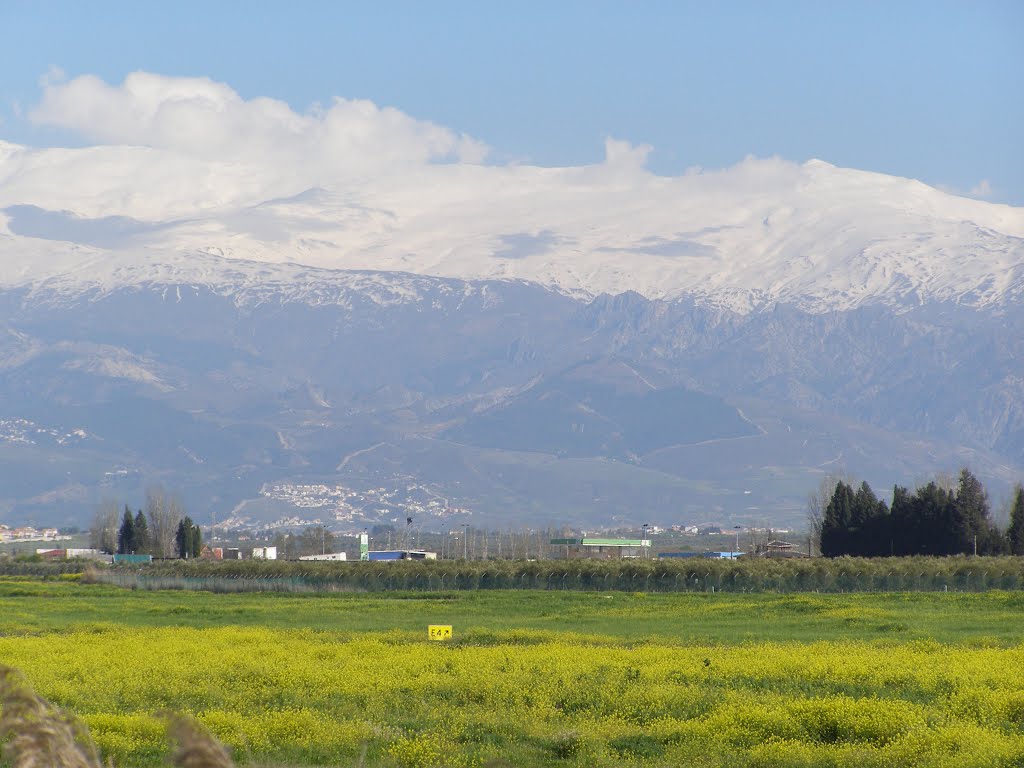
{"points": [[205, 119], [227, 282], [186, 165]]}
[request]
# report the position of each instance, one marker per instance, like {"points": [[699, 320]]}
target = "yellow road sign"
{"points": [[439, 631]]}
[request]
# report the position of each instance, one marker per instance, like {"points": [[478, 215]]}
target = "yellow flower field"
{"points": [[533, 677], [312, 697]]}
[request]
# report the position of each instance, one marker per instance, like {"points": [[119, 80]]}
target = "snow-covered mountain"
{"points": [[248, 304], [762, 232]]}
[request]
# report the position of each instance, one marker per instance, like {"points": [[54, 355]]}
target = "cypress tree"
{"points": [[835, 523], [188, 539], [183, 538], [973, 521], [940, 528], [869, 524], [1015, 533], [196, 540], [126, 534], [141, 533], [902, 528]]}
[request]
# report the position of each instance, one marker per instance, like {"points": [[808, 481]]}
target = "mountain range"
{"points": [[594, 346]]}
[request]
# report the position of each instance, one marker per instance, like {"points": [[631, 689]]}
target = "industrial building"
{"points": [[330, 556], [589, 548], [710, 555], [400, 554]]}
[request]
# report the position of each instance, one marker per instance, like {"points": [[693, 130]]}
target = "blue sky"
{"points": [[931, 90]]}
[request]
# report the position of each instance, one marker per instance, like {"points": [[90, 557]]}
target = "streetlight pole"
{"points": [[465, 541], [736, 549], [643, 546]]}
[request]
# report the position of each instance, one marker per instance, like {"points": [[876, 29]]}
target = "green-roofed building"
{"points": [[591, 548]]}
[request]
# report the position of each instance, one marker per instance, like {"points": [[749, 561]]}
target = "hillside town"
{"points": [[344, 504], [26, 432], [10, 535]]}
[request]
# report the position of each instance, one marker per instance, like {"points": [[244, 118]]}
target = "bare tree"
{"points": [[164, 513], [103, 531], [943, 479], [947, 481], [817, 501]]}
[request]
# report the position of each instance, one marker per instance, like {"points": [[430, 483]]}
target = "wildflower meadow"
{"points": [[675, 680]]}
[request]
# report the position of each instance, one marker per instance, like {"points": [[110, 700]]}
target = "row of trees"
{"points": [[162, 530], [934, 520], [632, 575], [133, 537]]}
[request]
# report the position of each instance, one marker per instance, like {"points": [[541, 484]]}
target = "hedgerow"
{"points": [[951, 574]]}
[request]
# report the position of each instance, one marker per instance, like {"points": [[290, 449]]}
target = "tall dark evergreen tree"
{"points": [[183, 538], [188, 540], [973, 508], [835, 523], [935, 520], [142, 543], [855, 523], [869, 524], [196, 541], [938, 526], [126, 534], [903, 527], [1015, 533]]}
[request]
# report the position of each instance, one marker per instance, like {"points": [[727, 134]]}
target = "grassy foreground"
{"points": [[534, 678]]}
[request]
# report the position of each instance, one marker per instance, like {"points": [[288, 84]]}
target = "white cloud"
{"points": [[622, 154], [54, 75], [982, 189], [352, 185], [208, 120]]}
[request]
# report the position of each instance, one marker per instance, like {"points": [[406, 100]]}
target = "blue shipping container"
{"points": [[387, 555]]}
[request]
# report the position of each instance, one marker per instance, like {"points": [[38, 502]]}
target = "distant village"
{"points": [[343, 504], [462, 541], [26, 432], [28, 534]]}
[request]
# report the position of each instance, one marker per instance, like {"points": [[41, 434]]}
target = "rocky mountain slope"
{"points": [[588, 345]]}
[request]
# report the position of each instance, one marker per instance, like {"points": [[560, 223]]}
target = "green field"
{"points": [[534, 677]]}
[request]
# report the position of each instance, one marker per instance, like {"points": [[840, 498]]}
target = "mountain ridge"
{"points": [[537, 345], [762, 232], [217, 399]]}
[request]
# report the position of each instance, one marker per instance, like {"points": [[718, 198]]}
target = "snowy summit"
{"points": [[255, 193]]}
